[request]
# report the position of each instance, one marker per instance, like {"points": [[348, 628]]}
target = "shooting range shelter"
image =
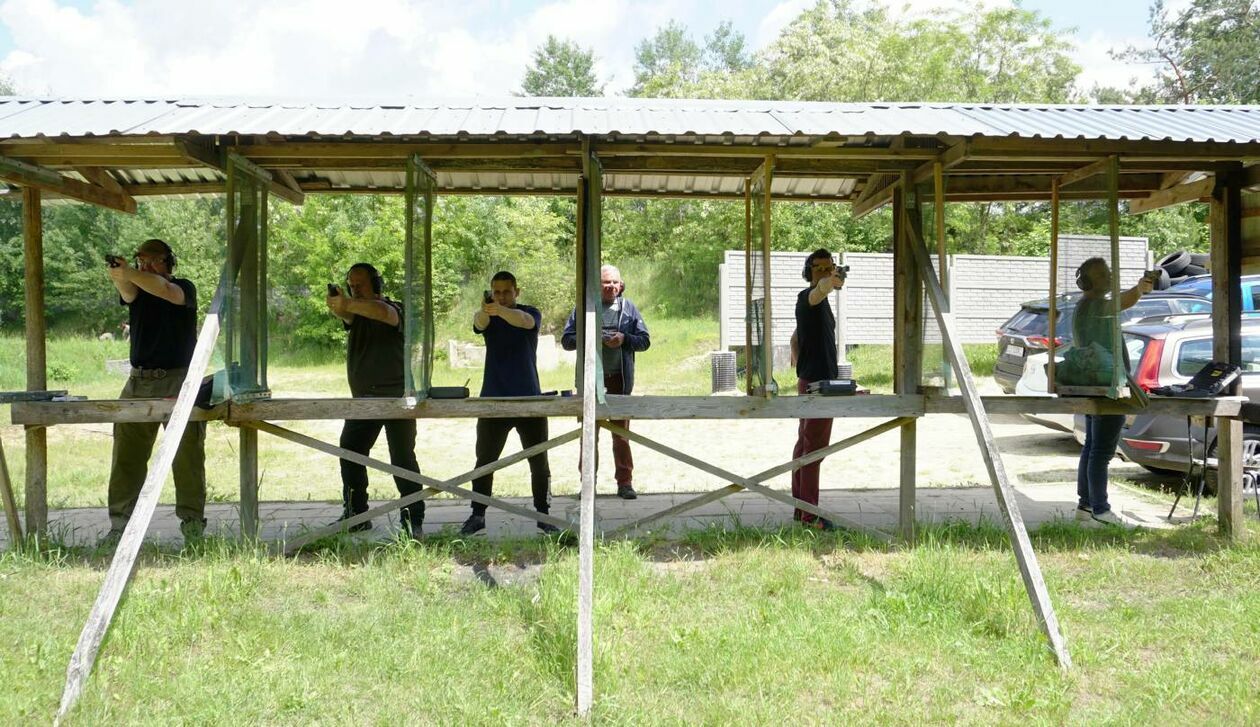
{"points": [[914, 157]]}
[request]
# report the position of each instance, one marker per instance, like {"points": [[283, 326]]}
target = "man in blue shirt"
{"points": [[511, 334]]}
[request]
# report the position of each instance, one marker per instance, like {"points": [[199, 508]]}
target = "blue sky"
{"points": [[406, 47]]}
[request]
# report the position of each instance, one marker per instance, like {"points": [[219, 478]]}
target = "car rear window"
{"points": [[1197, 353], [1037, 323], [1193, 305], [1135, 346], [1197, 286]]}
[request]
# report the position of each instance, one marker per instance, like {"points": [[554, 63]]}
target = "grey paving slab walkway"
{"points": [[876, 508]]}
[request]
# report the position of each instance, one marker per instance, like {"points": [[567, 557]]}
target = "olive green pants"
{"points": [[133, 443]]}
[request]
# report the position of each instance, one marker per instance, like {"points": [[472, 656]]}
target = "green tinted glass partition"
{"points": [[245, 319], [418, 278]]}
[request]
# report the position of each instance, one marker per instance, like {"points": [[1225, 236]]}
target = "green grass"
{"points": [[747, 627]]}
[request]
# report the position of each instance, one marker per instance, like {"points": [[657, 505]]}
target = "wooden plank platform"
{"points": [[46, 413]]}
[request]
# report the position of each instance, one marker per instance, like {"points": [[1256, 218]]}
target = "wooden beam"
{"points": [[124, 562], [101, 178], [32, 176], [745, 482], [36, 358], [1003, 488], [1192, 192], [951, 157], [1089, 170], [592, 393], [1225, 224], [791, 466], [216, 159], [10, 503], [50, 413], [450, 487]]}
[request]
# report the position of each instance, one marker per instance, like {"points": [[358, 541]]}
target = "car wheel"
{"points": [[1202, 259], [1248, 437], [1174, 262], [1164, 280], [1194, 270]]}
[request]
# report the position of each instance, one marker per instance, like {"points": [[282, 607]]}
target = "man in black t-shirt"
{"points": [[816, 359], [374, 366], [511, 334], [162, 314]]}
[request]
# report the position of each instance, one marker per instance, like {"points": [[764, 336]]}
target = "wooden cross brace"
{"points": [[754, 483], [432, 486]]}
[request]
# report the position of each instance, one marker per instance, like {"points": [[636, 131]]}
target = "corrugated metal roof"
{"points": [[614, 117]]}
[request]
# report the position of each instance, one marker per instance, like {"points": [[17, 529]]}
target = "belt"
{"points": [[139, 373]]}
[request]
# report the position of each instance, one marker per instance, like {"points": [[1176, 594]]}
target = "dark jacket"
{"points": [[634, 329]]}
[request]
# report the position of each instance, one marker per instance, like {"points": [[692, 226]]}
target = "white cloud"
{"points": [[1098, 68], [777, 19], [302, 47]]}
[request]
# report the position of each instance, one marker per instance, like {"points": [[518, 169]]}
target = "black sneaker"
{"points": [[357, 528], [110, 540], [473, 525], [193, 530], [820, 523], [626, 492], [411, 522]]}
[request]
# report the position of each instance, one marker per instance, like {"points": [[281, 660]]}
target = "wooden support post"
{"points": [[748, 253], [942, 251], [1054, 283], [248, 441], [124, 562], [590, 260], [1119, 374], [767, 300], [1226, 231], [36, 360], [1029, 570], [908, 334]]}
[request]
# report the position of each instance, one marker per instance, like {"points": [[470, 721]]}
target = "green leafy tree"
{"points": [[1204, 53], [840, 51], [561, 68], [671, 64]]}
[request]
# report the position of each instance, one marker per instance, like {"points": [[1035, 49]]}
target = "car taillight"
{"points": [[1146, 446], [999, 333], [1148, 368], [1043, 342]]}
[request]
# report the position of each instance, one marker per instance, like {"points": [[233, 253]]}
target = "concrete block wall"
{"points": [[985, 290]]}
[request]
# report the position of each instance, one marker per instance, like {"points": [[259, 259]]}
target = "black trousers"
{"points": [[492, 436], [358, 435]]}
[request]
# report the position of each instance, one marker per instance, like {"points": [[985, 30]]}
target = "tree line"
{"points": [[837, 50]]}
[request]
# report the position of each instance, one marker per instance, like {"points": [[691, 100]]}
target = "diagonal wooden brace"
{"points": [[752, 483], [1029, 569], [448, 486], [775, 471]]}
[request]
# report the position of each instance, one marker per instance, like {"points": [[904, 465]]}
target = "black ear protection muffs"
{"points": [[805, 272], [378, 283], [170, 254], [1082, 280]]}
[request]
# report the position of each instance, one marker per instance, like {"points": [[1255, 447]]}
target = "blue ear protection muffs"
{"points": [[378, 283]]}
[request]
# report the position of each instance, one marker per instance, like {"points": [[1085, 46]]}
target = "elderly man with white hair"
{"points": [[623, 335]]}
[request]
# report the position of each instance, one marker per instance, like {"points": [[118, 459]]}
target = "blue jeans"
{"points": [[1102, 434]]}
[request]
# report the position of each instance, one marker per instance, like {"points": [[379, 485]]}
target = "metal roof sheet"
{"points": [[28, 117]]}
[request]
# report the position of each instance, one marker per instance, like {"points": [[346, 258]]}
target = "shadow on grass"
{"points": [[1189, 540]]}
